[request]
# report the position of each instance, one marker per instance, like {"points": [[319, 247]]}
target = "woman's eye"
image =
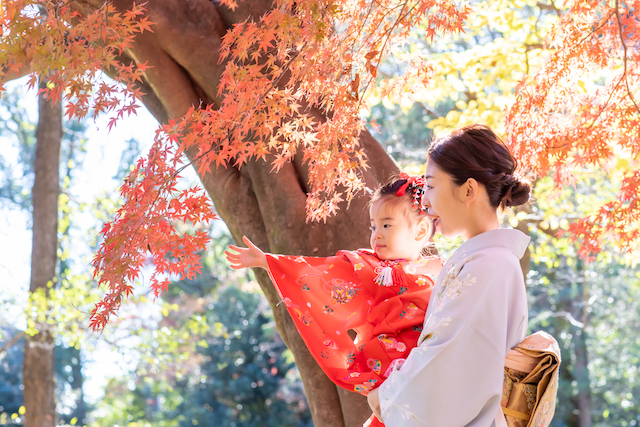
{"points": [[428, 187]]}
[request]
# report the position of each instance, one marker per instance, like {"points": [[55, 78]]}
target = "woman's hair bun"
{"points": [[515, 192], [477, 152]]}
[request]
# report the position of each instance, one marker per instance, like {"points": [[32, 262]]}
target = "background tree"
{"points": [[38, 365], [58, 308]]}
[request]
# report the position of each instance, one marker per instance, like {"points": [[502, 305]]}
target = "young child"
{"points": [[381, 294]]}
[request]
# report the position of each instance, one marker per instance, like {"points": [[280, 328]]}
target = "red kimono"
{"points": [[383, 301]]}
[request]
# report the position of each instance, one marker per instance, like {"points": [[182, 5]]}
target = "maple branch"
{"points": [[595, 119], [273, 84], [532, 46], [384, 45], [364, 22], [624, 47], [552, 6], [12, 342], [604, 21], [429, 110], [358, 32]]}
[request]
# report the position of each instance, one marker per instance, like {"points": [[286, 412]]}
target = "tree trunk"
{"points": [[581, 368], [38, 366], [267, 207]]}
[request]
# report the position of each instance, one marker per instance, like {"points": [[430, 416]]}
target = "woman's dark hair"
{"points": [[477, 152]]}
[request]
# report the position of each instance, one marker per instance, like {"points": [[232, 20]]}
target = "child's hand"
{"points": [[248, 257], [434, 265]]}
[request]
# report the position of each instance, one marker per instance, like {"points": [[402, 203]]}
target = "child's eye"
{"points": [[387, 225], [372, 228]]}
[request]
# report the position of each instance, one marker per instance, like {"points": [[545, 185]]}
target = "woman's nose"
{"points": [[425, 202]]}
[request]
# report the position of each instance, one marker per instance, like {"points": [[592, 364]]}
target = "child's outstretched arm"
{"points": [[251, 256]]}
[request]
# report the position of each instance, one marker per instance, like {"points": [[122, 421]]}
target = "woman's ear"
{"points": [[469, 191]]}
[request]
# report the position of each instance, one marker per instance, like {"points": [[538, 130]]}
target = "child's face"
{"points": [[392, 234]]}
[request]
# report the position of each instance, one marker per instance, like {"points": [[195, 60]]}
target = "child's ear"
{"points": [[424, 229]]}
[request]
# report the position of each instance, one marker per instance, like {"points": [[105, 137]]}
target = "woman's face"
{"points": [[443, 202]]}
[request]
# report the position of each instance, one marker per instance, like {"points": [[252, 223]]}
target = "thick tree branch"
{"points": [[624, 55], [552, 6], [12, 342]]}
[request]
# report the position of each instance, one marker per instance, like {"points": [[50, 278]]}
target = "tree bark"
{"points": [[581, 368], [38, 365], [267, 207]]}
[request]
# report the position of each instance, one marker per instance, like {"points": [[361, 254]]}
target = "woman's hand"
{"points": [[248, 257], [374, 403]]}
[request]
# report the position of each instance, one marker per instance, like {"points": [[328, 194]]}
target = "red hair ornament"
{"points": [[415, 184]]}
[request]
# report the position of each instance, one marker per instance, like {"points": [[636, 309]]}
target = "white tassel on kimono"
{"points": [[384, 276]]}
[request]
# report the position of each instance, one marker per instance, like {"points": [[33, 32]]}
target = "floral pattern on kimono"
{"points": [[477, 312], [382, 301]]}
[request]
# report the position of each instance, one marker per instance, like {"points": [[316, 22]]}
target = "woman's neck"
{"points": [[483, 221]]}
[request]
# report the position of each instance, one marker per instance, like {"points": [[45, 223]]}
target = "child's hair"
{"points": [[406, 191], [477, 152]]}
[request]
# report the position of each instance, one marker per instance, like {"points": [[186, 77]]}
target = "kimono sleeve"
{"points": [[325, 299], [454, 377]]}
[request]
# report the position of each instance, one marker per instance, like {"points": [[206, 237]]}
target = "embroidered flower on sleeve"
{"points": [[395, 365], [410, 311], [410, 268], [365, 387], [374, 365], [452, 285], [341, 291], [300, 259], [454, 289], [432, 328], [392, 343], [421, 281], [330, 343], [358, 266]]}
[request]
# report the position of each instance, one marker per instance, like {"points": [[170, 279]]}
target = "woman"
{"points": [[478, 309]]}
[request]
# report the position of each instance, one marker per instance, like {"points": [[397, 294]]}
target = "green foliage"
{"points": [[69, 382], [11, 376], [71, 407], [213, 358], [244, 380], [16, 175], [474, 73], [591, 309]]}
